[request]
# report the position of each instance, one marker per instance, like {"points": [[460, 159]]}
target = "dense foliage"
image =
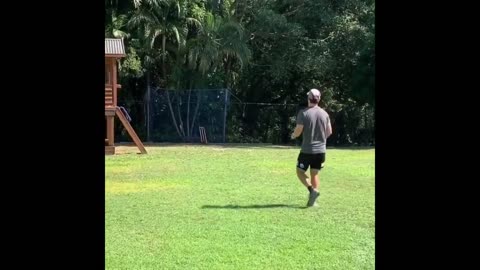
{"points": [[264, 51]]}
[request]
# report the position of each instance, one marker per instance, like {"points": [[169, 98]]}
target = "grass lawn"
{"points": [[213, 207]]}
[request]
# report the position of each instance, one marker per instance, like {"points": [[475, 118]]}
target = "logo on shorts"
{"points": [[301, 165]]}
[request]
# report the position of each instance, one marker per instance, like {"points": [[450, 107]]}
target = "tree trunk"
{"points": [[180, 117], [195, 113], [164, 71], [227, 72], [172, 113], [188, 114], [148, 98]]}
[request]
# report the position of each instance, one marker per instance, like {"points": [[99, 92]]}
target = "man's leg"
{"points": [[316, 166], [302, 167], [315, 178], [304, 178], [315, 183]]}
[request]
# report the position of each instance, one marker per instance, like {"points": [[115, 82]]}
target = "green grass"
{"points": [[195, 207]]}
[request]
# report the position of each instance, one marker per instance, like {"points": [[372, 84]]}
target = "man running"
{"points": [[314, 123]]}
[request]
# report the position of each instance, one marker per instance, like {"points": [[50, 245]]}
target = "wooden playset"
{"points": [[115, 50]]}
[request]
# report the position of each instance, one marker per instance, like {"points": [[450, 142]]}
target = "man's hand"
{"points": [[298, 130]]}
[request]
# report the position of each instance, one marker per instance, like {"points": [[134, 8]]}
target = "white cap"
{"points": [[314, 94]]}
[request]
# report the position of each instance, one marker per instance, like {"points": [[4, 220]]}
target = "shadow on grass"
{"points": [[253, 206]]}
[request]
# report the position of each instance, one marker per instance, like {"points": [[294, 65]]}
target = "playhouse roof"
{"points": [[114, 47]]}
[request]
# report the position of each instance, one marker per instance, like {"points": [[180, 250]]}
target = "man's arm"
{"points": [[297, 132], [299, 128], [329, 128]]}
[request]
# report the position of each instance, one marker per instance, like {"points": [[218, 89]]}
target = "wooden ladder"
{"points": [[130, 130]]}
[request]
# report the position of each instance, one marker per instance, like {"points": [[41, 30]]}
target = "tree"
{"points": [[264, 51]]}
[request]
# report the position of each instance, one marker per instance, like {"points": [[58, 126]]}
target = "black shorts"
{"points": [[315, 161]]}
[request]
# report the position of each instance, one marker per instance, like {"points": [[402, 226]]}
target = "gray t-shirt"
{"points": [[314, 121]]}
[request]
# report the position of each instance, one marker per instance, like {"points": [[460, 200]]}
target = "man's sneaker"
{"points": [[312, 198]]}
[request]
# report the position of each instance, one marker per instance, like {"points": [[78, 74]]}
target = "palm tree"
{"points": [[115, 25], [162, 21], [215, 43], [234, 48], [220, 42]]}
